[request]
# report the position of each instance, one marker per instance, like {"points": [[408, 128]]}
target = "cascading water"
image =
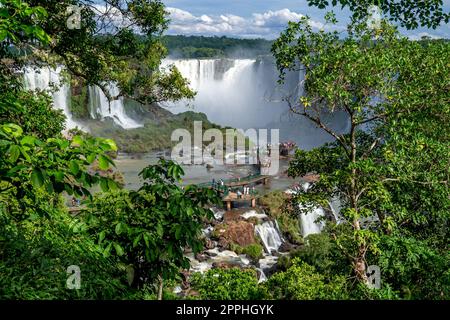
{"points": [[311, 222], [229, 92], [270, 236], [335, 207], [50, 80], [243, 94], [100, 108]]}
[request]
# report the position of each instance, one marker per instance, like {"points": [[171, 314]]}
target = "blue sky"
{"points": [[258, 18]]}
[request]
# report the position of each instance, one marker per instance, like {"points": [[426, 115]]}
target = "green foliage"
{"points": [[410, 13], [149, 229], [29, 165], [228, 284], [416, 268], [393, 93], [188, 47], [321, 252], [254, 251], [302, 282], [197, 53], [36, 116], [35, 254]]}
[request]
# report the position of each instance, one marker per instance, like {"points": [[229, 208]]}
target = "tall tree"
{"points": [[409, 13], [395, 95], [101, 42]]}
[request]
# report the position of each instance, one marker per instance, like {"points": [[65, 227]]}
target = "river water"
{"points": [[132, 165]]}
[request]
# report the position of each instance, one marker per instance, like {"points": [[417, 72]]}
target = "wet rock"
{"points": [[241, 233], [211, 253], [225, 265], [230, 216], [209, 244], [201, 257], [223, 243], [286, 247]]}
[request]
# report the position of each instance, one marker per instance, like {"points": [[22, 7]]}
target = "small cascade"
{"points": [[262, 275], [311, 223], [100, 108], [49, 79], [270, 236], [335, 207]]}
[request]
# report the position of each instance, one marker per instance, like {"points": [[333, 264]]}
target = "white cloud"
{"points": [[267, 25], [420, 35]]}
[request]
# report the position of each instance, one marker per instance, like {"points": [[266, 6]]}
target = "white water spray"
{"points": [[270, 236]]}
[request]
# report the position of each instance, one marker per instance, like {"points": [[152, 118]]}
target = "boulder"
{"points": [[201, 257], [209, 244], [234, 215], [240, 232]]}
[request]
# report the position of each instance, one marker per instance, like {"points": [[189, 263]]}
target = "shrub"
{"points": [[302, 282], [228, 284], [254, 251]]}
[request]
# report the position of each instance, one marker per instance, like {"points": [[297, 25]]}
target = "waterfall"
{"points": [[100, 108], [49, 79], [335, 207], [309, 222], [231, 92], [268, 232]]}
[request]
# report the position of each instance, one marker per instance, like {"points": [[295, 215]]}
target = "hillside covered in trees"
{"points": [[195, 47]]}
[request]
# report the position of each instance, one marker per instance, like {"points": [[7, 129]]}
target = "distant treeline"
{"points": [[190, 47]]}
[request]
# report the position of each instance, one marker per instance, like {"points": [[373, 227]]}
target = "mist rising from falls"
{"points": [[226, 92], [243, 94]]}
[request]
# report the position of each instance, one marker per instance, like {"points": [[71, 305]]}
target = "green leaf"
{"points": [[78, 140], [28, 140], [74, 168], [37, 179], [112, 185], [119, 228], [136, 240], [91, 158], [25, 154], [103, 162], [107, 251], [118, 249], [109, 145], [14, 153], [101, 236], [3, 34], [59, 176], [159, 230], [104, 185]]}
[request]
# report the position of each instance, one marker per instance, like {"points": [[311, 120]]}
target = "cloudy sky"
{"points": [[257, 18]]}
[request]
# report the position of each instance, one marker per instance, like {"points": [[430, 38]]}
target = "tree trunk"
{"points": [[359, 266], [160, 287]]}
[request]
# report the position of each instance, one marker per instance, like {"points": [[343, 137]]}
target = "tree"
{"points": [[104, 49], [148, 229], [410, 13], [395, 95]]}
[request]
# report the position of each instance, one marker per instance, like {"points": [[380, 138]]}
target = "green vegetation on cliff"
{"points": [[190, 47]]}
